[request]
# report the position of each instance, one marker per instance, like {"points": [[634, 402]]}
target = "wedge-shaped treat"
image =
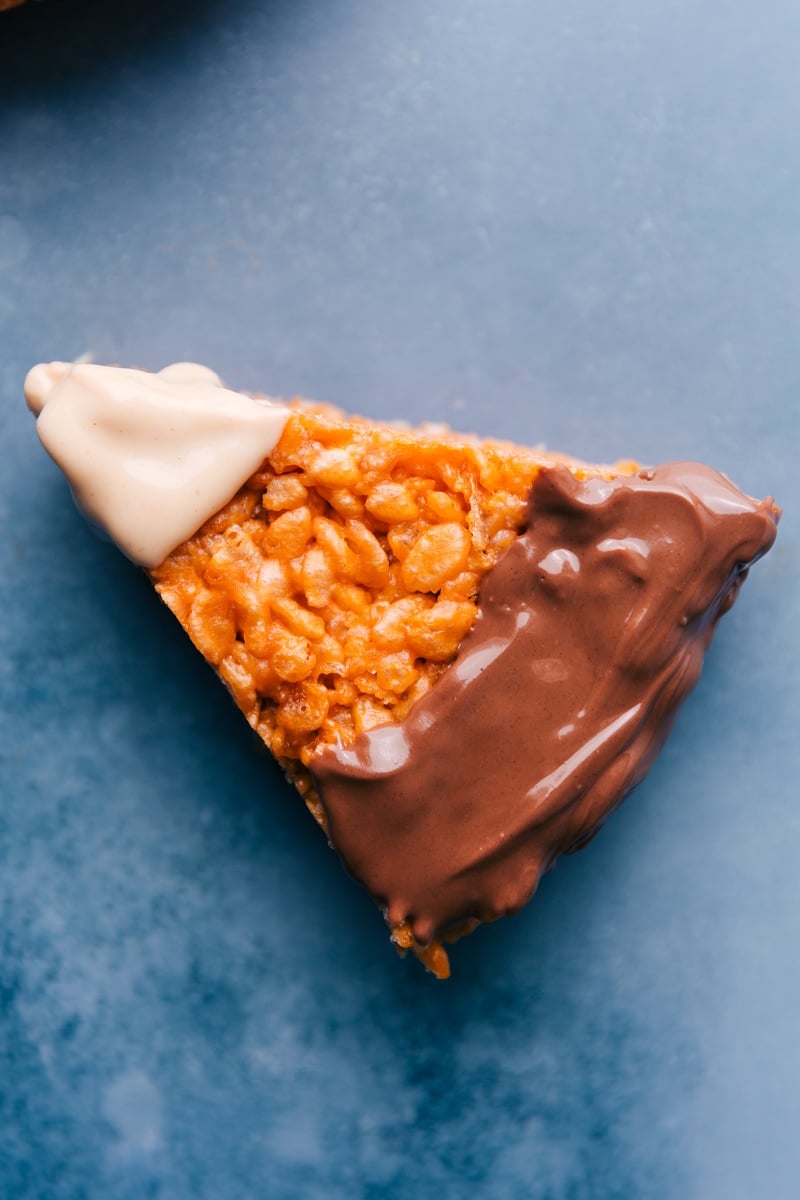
{"points": [[463, 653]]}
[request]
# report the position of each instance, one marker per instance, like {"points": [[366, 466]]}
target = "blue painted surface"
{"points": [[566, 222]]}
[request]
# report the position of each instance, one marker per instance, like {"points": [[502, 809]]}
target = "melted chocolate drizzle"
{"points": [[591, 631]]}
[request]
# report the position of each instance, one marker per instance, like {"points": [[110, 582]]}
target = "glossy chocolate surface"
{"points": [[591, 631]]}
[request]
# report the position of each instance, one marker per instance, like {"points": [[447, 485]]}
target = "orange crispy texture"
{"points": [[335, 588]]}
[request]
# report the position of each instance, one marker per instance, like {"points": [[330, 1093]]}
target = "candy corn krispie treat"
{"points": [[463, 653]]}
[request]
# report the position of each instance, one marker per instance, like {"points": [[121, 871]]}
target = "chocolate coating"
{"points": [[591, 630]]}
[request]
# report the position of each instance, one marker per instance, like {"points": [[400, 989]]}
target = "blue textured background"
{"points": [[563, 221]]}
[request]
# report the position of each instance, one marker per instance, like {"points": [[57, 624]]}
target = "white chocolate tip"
{"points": [[149, 457]]}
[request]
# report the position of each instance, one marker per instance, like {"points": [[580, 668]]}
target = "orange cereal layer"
{"points": [[337, 585]]}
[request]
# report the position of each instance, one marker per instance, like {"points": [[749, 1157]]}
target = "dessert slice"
{"points": [[463, 653]]}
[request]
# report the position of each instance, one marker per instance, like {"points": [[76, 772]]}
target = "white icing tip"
{"points": [[150, 457]]}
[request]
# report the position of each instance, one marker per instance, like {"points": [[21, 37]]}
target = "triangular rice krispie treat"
{"points": [[463, 653]]}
